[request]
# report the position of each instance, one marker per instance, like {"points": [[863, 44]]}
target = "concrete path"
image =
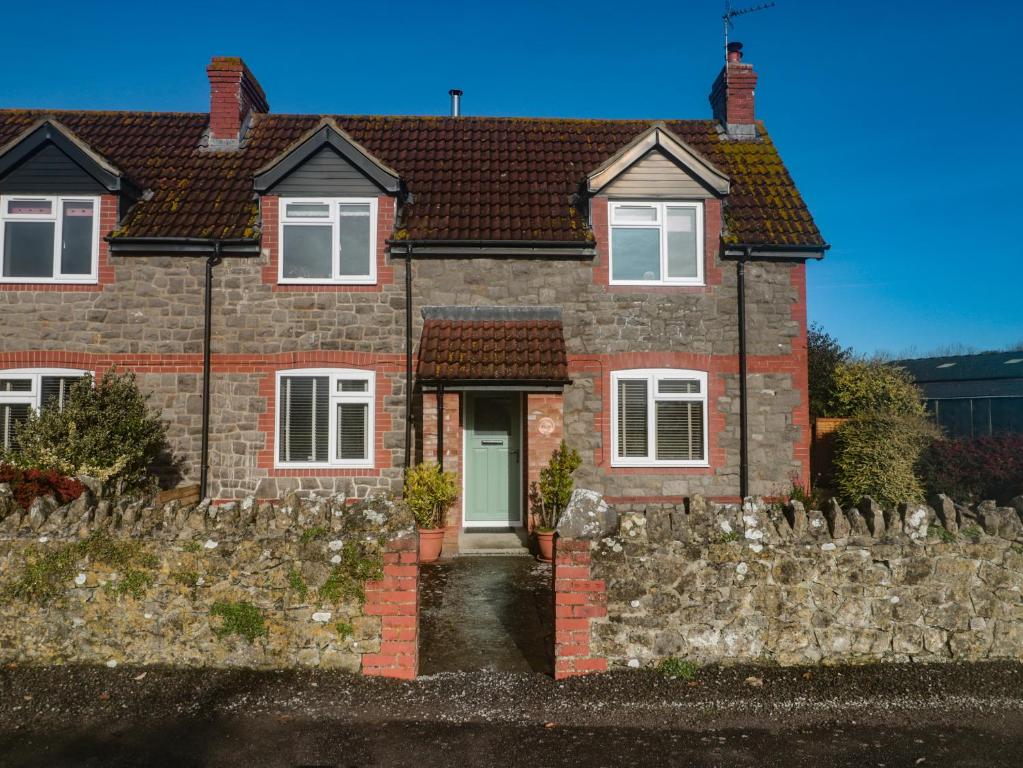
{"points": [[485, 613]]}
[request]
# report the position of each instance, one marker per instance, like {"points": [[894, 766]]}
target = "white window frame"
{"points": [[56, 216], [660, 207], [652, 376], [33, 397], [368, 397], [334, 220]]}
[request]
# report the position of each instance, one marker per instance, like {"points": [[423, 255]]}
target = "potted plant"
{"points": [[550, 496], [429, 493]]}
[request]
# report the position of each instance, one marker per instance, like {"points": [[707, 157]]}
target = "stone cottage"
{"points": [[314, 301]]}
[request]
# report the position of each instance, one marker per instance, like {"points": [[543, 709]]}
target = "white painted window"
{"points": [[325, 418], [48, 239], [26, 389], [659, 418], [656, 243], [328, 240]]}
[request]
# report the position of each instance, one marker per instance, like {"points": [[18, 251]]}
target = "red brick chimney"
{"points": [[731, 98], [234, 94]]}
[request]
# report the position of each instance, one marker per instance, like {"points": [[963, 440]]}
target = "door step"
{"points": [[496, 543]]}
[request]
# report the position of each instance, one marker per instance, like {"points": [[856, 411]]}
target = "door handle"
{"points": [[515, 452]]}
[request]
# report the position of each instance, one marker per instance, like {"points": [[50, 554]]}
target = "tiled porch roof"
{"points": [[494, 344]]}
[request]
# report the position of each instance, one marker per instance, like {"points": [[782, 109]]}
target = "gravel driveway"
{"points": [[880, 715]]}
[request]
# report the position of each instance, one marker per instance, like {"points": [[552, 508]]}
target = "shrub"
{"points": [[973, 469], [550, 496], [29, 484], [106, 431], [824, 354], [876, 455], [429, 493], [872, 387]]}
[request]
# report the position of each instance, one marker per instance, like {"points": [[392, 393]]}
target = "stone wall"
{"points": [[324, 583], [719, 584]]}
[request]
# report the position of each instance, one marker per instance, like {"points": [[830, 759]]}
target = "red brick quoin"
{"points": [[395, 599], [578, 600]]}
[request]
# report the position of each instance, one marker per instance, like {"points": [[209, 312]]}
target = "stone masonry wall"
{"points": [[118, 582], [719, 584], [147, 316]]}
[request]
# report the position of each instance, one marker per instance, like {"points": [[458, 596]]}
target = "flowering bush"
{"points": [[29, 484], [974, 469], [104, 430]]}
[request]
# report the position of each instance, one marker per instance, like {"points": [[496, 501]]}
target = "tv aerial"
{"points": [[731, 13]]}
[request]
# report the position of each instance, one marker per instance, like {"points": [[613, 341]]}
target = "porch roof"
{"points": [[493, 345]]}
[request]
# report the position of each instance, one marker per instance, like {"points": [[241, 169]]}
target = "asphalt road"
{"points": [[881, 715]]}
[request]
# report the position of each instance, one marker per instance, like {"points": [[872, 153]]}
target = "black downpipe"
{"points": [[440, 426], [204, 460], [408, 355], [740, 269]]}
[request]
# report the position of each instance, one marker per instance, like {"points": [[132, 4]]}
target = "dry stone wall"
{"points": [[250, 584], [761, 583]]}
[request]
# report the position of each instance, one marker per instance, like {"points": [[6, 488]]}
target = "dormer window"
{"points": [[654, 243], [48, 239], [328, 240]]}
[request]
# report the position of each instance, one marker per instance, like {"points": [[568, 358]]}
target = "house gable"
{"points": [[656, 175], [49, 159], [326, 161], [658, 164]]}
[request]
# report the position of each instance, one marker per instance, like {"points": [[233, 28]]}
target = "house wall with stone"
{"points": [[616, 327], [146, 315], [148, 318]]}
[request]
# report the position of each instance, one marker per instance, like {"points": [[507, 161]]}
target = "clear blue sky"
{"points": [[898, 120]]}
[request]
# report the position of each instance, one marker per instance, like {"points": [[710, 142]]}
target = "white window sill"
{"points": [[350, 281], [323, 465], [650, 464], [661, 283], [48, 281]]}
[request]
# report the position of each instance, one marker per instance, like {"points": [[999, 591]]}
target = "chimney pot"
{"points": [[456, 102], [234, 95], [735, 51]]}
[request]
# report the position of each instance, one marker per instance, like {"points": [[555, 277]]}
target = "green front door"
{"points": [[493, 466]]}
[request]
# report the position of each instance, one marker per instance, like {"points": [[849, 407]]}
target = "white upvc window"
{"points": [[659, 418], [328, 240], [49, 239], [25, 389], [325, 418], [656, 243]]}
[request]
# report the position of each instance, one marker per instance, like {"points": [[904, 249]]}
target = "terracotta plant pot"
{"points": [[431, 542], [545, 544]]}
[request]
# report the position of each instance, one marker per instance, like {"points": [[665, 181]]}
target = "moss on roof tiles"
{"points": [[476, 178]]}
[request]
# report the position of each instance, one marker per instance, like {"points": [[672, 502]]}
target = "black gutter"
{"points": [[456, 248], [484, 383], [408, 354], [184, 246], [751, 252], [204, 465], [740, 271]]}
